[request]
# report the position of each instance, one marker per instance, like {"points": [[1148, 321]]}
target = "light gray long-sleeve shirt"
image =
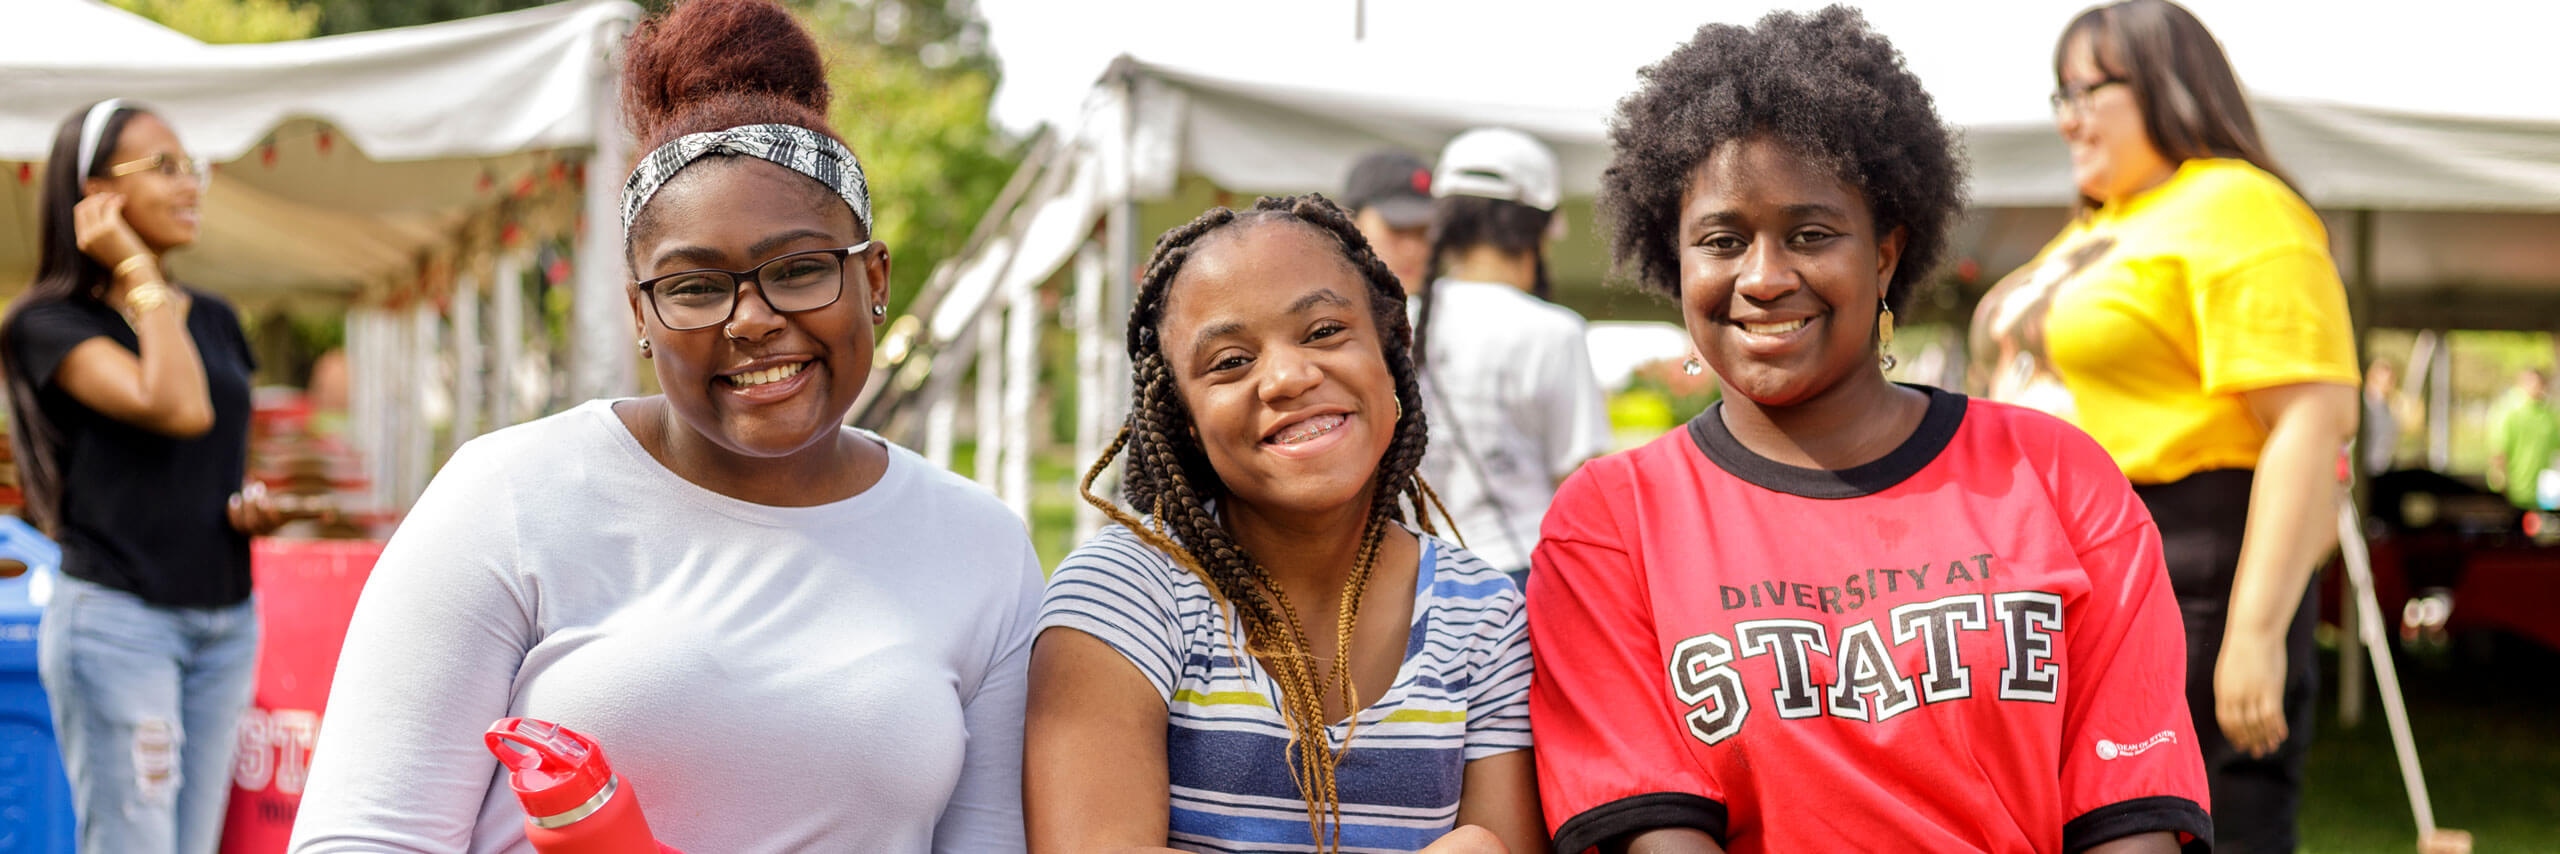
{"points": [[845, 677]]}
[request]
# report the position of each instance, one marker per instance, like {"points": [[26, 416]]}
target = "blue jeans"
{"points": [[146, 702]]}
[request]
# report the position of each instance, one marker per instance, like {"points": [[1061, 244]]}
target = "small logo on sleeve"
{"points": [[2110, 750]]}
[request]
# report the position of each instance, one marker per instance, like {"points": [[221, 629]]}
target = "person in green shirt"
{"points": [[2523, 433]]}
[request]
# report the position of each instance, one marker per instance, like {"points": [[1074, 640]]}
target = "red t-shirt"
{"points": [[1968, 645]]}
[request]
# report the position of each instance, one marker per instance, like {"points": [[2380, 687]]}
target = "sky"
{"points": [[1987, 60]]}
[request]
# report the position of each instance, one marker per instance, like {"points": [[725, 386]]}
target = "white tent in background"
{"points": [[2426, 139], [406, 176]]}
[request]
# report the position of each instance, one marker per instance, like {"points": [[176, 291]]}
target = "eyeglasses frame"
{"points": [[196, 168], [2076, 98], [738, 280]]}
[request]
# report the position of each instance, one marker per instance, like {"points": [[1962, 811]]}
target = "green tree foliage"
{"points": [[911, 80], [348, 16], [230, 21]]}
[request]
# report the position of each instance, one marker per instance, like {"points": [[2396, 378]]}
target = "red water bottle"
{"points": [[573, 802]]}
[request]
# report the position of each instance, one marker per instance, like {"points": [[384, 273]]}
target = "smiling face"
{"points": [[1268, 336], [161, 207], [765, 384], [1781, 269], [2111, 152]]}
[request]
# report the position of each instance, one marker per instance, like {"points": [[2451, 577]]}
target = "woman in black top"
{"points": [[129, 402]]}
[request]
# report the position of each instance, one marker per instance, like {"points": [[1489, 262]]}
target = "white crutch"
{"points": [[2351, 546]]}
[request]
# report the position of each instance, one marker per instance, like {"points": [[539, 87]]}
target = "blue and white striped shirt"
{"points": [[1462, 694]]}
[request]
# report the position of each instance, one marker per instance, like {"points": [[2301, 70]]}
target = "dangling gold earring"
{"points": [[1692, 367], [644, 349], [1884, 335]]}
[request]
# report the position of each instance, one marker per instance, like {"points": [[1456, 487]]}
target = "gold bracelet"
{"points": [[147, 296], [127, 266]]}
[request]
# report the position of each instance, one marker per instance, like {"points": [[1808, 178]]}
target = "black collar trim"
{"points": [[1937, 429]]}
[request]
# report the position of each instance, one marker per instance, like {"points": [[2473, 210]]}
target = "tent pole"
{"points": [[506, 291], [982, 464], [1021, 334], [366, 387], [1120, 259], [1092, 420], [941, 417], [601, 360], [2360, 300], [417, 445], [2439, 400], [390, 346], [469, 360]]}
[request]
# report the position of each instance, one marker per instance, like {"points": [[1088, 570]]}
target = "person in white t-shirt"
{"points": [[791, 635], [1506, 375]]}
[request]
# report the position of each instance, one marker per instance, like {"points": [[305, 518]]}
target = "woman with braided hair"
{"points": [[792, 635], [1265, 655]]}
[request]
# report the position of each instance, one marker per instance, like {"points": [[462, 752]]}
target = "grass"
{"points": [[2488, 743], [1053, 498]]}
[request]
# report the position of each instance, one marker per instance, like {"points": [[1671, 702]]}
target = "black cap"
{"points": [[1396, 183]]}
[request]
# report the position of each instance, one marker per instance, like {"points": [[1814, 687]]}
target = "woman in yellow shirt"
{"points": [[2191, 320]]}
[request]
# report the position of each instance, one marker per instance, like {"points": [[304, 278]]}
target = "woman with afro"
{"points": [[1835, 613], [792, 635]]}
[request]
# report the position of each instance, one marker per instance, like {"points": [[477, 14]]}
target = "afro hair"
{"points": [[1824, 85]]}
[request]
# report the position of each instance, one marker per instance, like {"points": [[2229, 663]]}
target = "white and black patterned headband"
{"points": [[92, 126], [796, 148]]}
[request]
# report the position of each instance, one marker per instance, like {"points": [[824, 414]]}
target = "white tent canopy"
{"points": [[342, 160], [410, 174], [2434, 123], [487, 86], [2427, 140]]}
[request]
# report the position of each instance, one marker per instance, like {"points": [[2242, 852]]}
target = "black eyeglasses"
{"points": [[2076, 98], [800, 281]]}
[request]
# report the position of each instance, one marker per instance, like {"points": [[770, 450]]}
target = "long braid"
{"points": [[1168, 473], [1429, 293]]}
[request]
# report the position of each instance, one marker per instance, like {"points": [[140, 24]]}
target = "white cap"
{"points": [[1499, 163]]}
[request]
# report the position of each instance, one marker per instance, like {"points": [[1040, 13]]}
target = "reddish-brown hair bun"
{"points": [[710, 65]]}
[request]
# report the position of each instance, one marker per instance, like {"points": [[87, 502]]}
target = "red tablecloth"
{"points": [[2512, 587], [307, 589]]}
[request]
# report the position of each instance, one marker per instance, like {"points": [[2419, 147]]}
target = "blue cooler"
{"points": [[35, 800]]}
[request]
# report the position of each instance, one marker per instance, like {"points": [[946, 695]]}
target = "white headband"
{"points": [[91, 126], [794, 147]]}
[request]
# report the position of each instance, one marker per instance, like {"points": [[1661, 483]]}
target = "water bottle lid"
{"points": [[554, 769]]}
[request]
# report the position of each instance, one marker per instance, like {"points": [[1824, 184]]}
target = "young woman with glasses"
{"points": [[2191, 320], [129, 411], [792, 635]]}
